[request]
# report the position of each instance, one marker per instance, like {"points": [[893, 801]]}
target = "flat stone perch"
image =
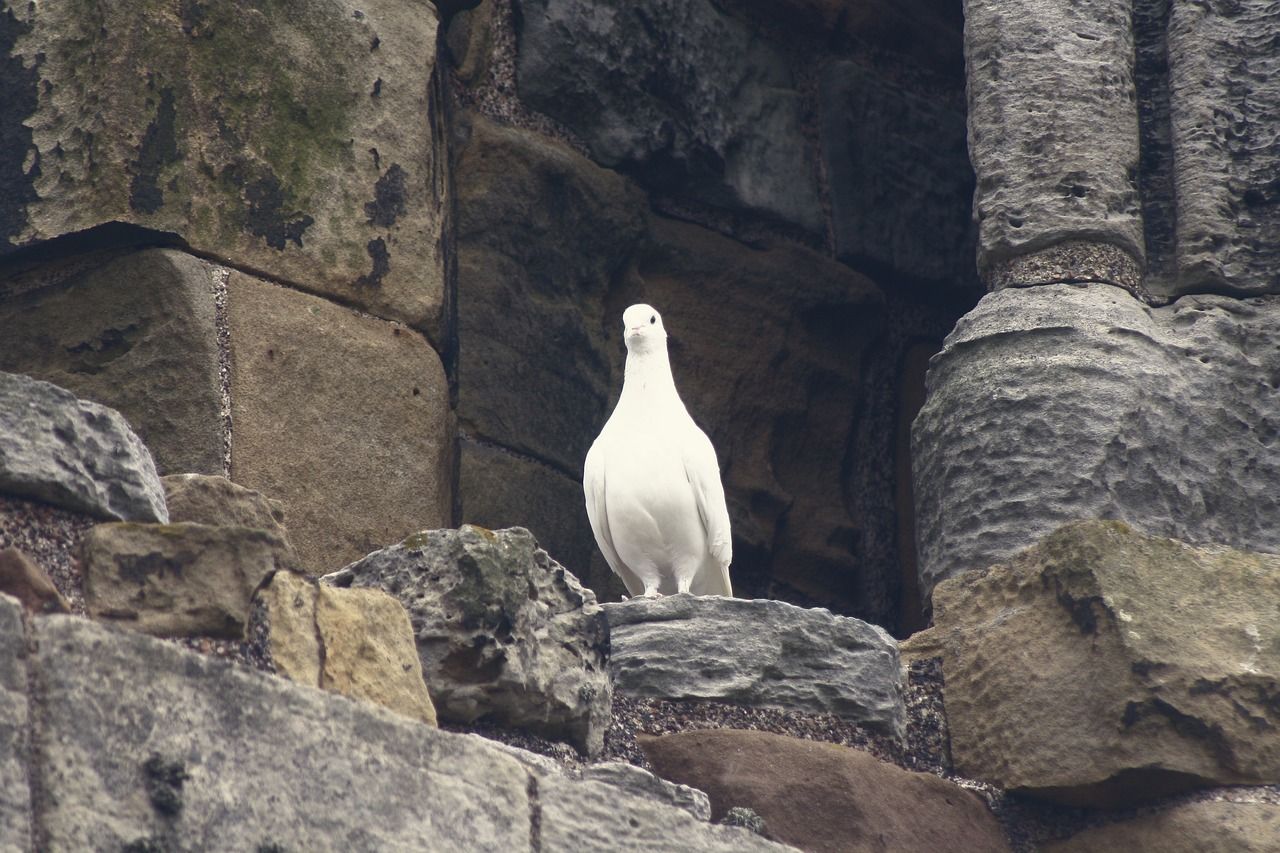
{"points": [[760, 652]]}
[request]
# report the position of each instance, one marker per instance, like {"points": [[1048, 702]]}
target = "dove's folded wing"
{"points": [[703, 471], [598, 515]]}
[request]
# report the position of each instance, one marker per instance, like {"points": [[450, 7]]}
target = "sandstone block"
{"points": [[217, 501], [300, 140], [343, 417], [504, 633], [1057, 403], [824, 797], [178, 579], [1103, 667], [355, 642], [73, 453], [756, 653], [147, 348]]}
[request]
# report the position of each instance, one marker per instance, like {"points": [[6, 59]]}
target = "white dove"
{"points": [[652, 482]]}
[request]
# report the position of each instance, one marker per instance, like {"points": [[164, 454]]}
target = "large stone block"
{"points": [[504, 633], [143, 743], [1222, 826], [1103, 667], [679, 93], [900, 180], [178, 580], [1224, 95], [756, 653], [343, 417], [15, 784], [73, 453], [826, 798], [135, 333], [297, 139], [1058, 403], [544, 235], [1053, 136]]}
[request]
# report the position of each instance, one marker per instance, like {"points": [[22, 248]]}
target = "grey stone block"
{"points": [[759, 652], [74, 454], [1057, 403]]}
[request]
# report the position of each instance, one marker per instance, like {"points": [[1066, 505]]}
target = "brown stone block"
{"points": [[343, 417]]}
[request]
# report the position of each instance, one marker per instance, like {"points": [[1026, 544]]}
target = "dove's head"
{"points": [[642, 329]]}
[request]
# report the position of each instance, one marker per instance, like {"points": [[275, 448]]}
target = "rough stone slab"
{"points": [[505, 634], [135, 333], [1203, 827], [1057, 403], [759, 652], [178, 580], [1053, 127], [326, 168], [74, 454], [15, 786], [266, 762], [544, 235], [1224, 94], [343, 417], [826, 798], [678, 93], [1103, 667], [901, 185]]}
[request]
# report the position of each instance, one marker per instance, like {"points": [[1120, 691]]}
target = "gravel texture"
{"points": [[51, 538]]}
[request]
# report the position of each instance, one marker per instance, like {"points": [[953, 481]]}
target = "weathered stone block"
{"points": [[756, 653], [504, 633], [178, 579], [343, 417], [15, 784], [355, 642], [677, 92], [1053, 132], [136, 333], [202, 499], [1224, 94], [297, 139], [1103, 667], [73, 453], [824, 797], [143, 742], [1057, 403]]}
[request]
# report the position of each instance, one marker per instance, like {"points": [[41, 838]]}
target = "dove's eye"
{"points": [[653, 319]]}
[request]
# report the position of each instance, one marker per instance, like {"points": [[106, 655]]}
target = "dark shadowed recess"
{"points": [[109, 235]]}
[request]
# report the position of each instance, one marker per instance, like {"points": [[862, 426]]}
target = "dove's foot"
{"points": [[651, 592]]}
